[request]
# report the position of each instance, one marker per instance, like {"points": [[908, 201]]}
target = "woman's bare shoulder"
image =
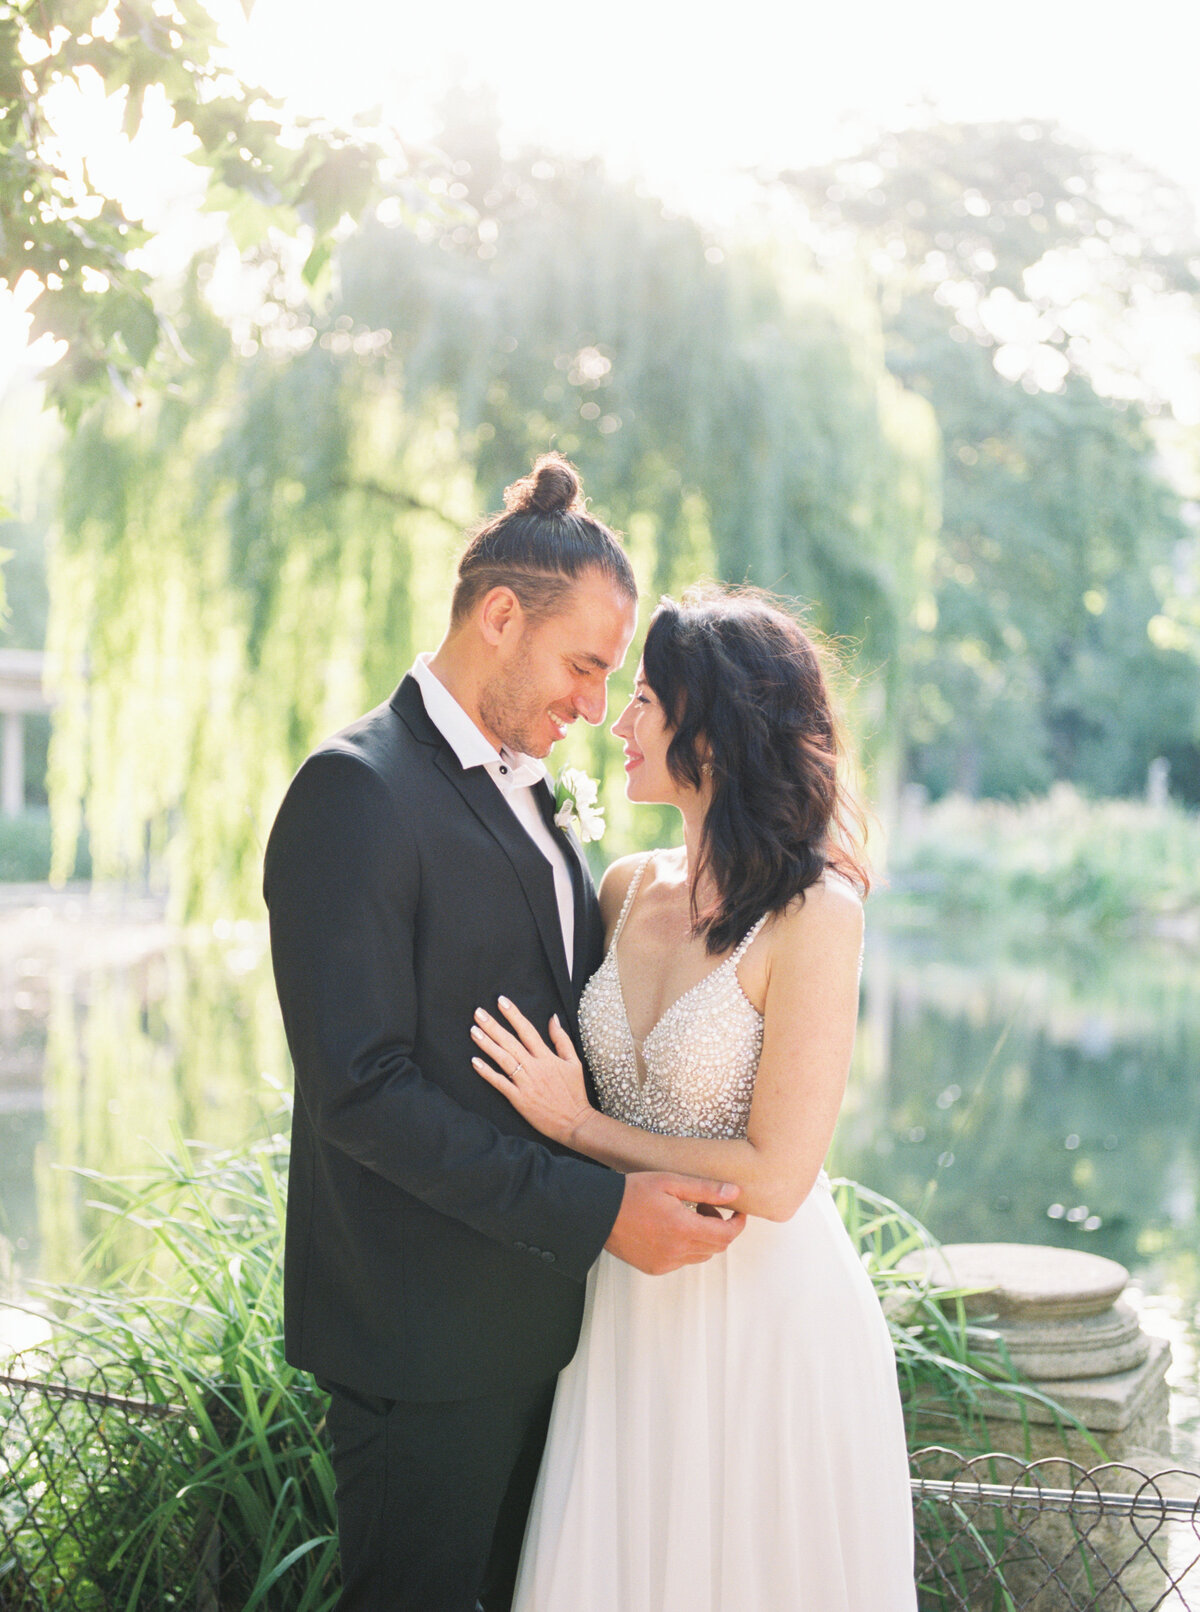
{"points": [[614, 886], [831, 914]]}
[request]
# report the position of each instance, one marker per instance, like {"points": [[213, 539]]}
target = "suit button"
{"points": [[546, 1254], [524, 1247]]}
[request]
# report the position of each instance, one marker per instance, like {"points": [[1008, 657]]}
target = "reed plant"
{"points": [[229, 1471], [952, 1369], [238, 1488]]}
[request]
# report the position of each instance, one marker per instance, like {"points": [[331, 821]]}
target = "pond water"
{"points": [[1046, 1096]]}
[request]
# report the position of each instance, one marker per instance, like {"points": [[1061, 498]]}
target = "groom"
{"points": [[436, 1246]]}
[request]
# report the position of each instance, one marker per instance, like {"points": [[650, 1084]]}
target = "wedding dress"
{"points": [[728, 1438]]}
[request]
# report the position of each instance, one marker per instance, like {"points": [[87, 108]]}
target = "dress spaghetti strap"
{"points": [[744, 944], [629, 895]]}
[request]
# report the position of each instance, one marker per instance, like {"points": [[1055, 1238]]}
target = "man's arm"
{"points": [[342, 885]]}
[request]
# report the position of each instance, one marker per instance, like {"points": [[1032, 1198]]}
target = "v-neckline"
{"points": [[639, 1063]]}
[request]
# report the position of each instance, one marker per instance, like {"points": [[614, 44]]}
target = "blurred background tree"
{"points": [[1013, 268], [917, 410], [253, 556]]}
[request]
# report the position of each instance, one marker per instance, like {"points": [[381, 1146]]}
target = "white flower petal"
{"points": [[591, 824]]}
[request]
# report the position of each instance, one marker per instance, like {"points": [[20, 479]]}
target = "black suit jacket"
{"points": [[436, 1245]]}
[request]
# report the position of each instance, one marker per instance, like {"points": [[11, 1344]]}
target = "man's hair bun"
{"points": [[540, 546], [551, 488]]}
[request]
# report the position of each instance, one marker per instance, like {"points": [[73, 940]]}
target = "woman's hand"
{"points": [[545, 1086]]}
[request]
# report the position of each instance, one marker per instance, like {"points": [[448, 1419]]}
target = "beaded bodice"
{"points": [[697, 1067]]}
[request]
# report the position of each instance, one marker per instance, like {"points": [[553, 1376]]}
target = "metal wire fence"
{"points": [[77, 1485], [994, 1534]]}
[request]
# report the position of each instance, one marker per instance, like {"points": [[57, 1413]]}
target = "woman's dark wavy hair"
{"points": [[744, 688]]}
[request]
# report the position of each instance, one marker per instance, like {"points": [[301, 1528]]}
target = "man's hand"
{"points": [[657, 1232]]}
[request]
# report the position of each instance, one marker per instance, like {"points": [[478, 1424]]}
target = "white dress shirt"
{"points": [[513, 774]]}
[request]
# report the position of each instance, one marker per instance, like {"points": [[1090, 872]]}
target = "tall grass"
{"points": [[952, 1370], [196, 1321], [236, 1495]]}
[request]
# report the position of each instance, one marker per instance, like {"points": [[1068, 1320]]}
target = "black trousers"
{"points": [[432, 1498]]}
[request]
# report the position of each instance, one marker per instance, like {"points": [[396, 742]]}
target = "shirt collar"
{"points": [[510, 768]]}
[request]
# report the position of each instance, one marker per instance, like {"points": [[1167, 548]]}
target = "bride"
{"points": [[728, 1438]]}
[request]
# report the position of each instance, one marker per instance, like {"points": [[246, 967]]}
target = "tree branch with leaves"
{"points": [[266, 171]]}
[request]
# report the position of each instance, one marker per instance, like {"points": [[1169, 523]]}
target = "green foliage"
{"points": [[196, 1321], [1057, 530], [1059, 865], [991, 218], [29, 445], [950, 1369], [23, 597], [253, 559], [264, 173], [1010, 253]]}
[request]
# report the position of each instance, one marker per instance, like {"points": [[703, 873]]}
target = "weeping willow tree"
{"points": [[252, 558]]}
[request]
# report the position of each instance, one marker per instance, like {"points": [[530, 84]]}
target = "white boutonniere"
{"points": [[575, 804]]}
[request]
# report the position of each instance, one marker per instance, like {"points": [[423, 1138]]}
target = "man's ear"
{"points": [[500, 615]]}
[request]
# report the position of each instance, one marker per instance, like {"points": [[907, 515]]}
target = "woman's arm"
{"points": [[810, 1012]]}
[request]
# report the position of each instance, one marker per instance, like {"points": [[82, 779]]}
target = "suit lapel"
{"points": [[589, 932], [530, 866], [581, 885]]}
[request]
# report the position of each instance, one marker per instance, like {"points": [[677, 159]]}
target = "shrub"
{"points": [[1056, 864]]}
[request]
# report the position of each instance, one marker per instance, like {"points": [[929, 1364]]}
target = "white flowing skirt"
{"points": [[728, 1438]]}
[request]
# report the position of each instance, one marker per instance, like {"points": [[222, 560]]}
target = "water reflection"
{"points": [[1040, 1097], [118, 1035], [1003, 1096]]}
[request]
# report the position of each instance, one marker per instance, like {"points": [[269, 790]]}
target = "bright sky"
{"points": [[681, 91], [685, 93]]}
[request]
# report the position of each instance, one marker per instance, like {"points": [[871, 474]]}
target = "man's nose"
{"points": [[591, 703]]}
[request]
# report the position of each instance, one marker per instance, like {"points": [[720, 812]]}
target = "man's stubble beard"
{"points": [[511, 706]]}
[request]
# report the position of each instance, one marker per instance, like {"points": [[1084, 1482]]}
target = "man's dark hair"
{"points": [[540, 546]]}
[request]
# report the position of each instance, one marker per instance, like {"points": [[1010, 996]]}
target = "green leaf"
{"points": [[285, 1566], [126, 321], [338, 186], [316, 262], [250, 220], [131, 122]]}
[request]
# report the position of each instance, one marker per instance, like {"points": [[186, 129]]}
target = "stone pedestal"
{"points": [[1061, 1317]]}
